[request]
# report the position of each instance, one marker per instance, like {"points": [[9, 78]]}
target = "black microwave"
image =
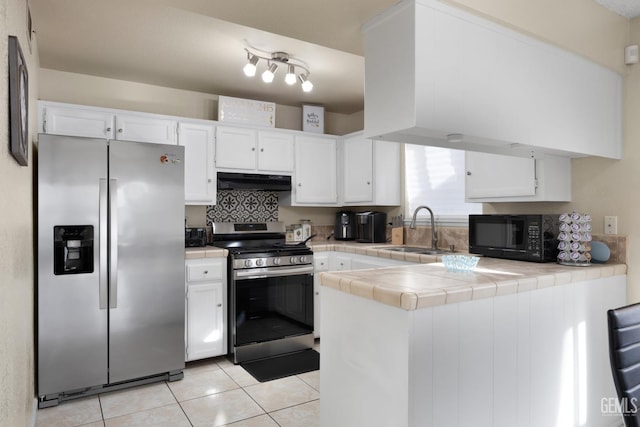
{"points": [[517, 237]]}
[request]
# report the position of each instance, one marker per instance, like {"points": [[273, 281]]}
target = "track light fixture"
{"points": [[273, 59]]}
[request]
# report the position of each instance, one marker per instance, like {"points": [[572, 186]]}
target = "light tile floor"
{"points": [[213, 392]]}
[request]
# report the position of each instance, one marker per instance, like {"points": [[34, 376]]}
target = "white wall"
{"points": [[16, 238]]}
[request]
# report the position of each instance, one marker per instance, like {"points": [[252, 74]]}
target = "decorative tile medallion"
{"points": [[244, 206]]}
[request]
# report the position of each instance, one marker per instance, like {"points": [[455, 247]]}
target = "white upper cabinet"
{"points": [[357, 156], [146, 128], [199, 175], [498, 178], [370, 171], [275, 151], [236, 148], [438, 75], [248, 149], [56, 119], [94, 122], [315, 181]]}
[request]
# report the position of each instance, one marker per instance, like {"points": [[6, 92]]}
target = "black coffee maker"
{"points": [[345, 228]]}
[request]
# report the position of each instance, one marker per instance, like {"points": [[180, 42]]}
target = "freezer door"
{"points": [[72, 326], [146, 334]]}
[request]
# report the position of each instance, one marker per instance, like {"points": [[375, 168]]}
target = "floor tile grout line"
{"points": [[179, 404]]}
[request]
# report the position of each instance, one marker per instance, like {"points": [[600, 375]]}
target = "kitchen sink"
{"points": [[419, 250]]}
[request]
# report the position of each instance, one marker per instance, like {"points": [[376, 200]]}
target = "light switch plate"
{"points": [[610, 225]]}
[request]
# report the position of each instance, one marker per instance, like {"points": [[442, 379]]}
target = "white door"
{"points": [[493, 175], [205, 323], [358, 168], [235, 148], [315, 180], [275, 151], [141, 128], [199, 175], [77, 122]]}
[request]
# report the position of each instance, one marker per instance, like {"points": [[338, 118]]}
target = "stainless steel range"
{"points": [[270, 290]]}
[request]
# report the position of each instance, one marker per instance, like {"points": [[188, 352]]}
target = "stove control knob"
{"points": [[303, 259], [259, 262], [277, 261], [293, 260], [248, 263]]}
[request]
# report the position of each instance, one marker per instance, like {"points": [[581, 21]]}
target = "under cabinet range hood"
{"points": [[441, 76], [252, 181]]}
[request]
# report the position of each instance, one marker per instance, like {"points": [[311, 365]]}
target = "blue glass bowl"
{"points": [[460, 263]]}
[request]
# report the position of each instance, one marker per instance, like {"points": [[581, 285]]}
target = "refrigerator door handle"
{"points": [[113, 241], [103, 279]]}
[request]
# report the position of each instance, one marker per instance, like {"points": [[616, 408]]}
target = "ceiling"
{"points": [[199, 45]]}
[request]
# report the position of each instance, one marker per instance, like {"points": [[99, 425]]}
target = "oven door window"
{"points": [[272, 308], [500, 234]]}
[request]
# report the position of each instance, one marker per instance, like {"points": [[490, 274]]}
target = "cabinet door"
{"points": [[358, 169], [275, 151], [386, 173], [493, 175], [199, 175], [205, 322], [235, 148], [77, 122], [343, 262], [143, 128], [315, 177]]}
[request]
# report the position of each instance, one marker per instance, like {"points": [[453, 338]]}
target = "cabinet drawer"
{"points": [[203, 272]]}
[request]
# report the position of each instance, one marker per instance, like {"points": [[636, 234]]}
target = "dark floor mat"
{"points": [[276, 367]]}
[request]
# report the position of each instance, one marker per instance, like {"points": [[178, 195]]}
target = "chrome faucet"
{"points": [[434, 233]]}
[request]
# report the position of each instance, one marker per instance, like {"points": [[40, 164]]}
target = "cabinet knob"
{"points": [[209, 180], [108, 129], [468, 173], [317, 293], [368, 183], [253, 148], [262, 150], [219, 305], [206, 272], [120, 130], [299, 184]]}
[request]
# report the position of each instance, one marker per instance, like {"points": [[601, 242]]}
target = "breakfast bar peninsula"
{"points": [[509, 344]]}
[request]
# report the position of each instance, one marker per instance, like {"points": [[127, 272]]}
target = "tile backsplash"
{"points": [[244, 206]]}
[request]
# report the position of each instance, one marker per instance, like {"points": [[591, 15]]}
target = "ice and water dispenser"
{"points": [[72, 249]]}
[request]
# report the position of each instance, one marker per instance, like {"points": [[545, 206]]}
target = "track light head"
{"points": [[290, 78], [307, 86], [269, 73], [250, 68]]}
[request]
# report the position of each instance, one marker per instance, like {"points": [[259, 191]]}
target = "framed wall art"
{"points": [[18, 103]]}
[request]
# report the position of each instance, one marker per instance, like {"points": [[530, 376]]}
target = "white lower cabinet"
{"points": [[205, 326]]}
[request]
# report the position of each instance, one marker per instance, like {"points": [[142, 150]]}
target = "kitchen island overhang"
{"points": [[511, 343]]}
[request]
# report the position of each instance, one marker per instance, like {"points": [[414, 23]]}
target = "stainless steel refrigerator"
{"points": [[110, 292]]}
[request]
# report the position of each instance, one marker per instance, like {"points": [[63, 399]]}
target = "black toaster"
{"points": [[195, 237]]}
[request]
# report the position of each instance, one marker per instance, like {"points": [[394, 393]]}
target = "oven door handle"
{"points": [[277, 272]]}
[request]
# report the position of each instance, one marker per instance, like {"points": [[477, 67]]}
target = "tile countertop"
{"points": [[418, 286], [205, 252]]}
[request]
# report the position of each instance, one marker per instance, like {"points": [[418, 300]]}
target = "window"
{"points": [[434, 177]]}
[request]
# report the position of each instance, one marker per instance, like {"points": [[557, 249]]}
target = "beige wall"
{"points": [[83, 89], [17, 404]]}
